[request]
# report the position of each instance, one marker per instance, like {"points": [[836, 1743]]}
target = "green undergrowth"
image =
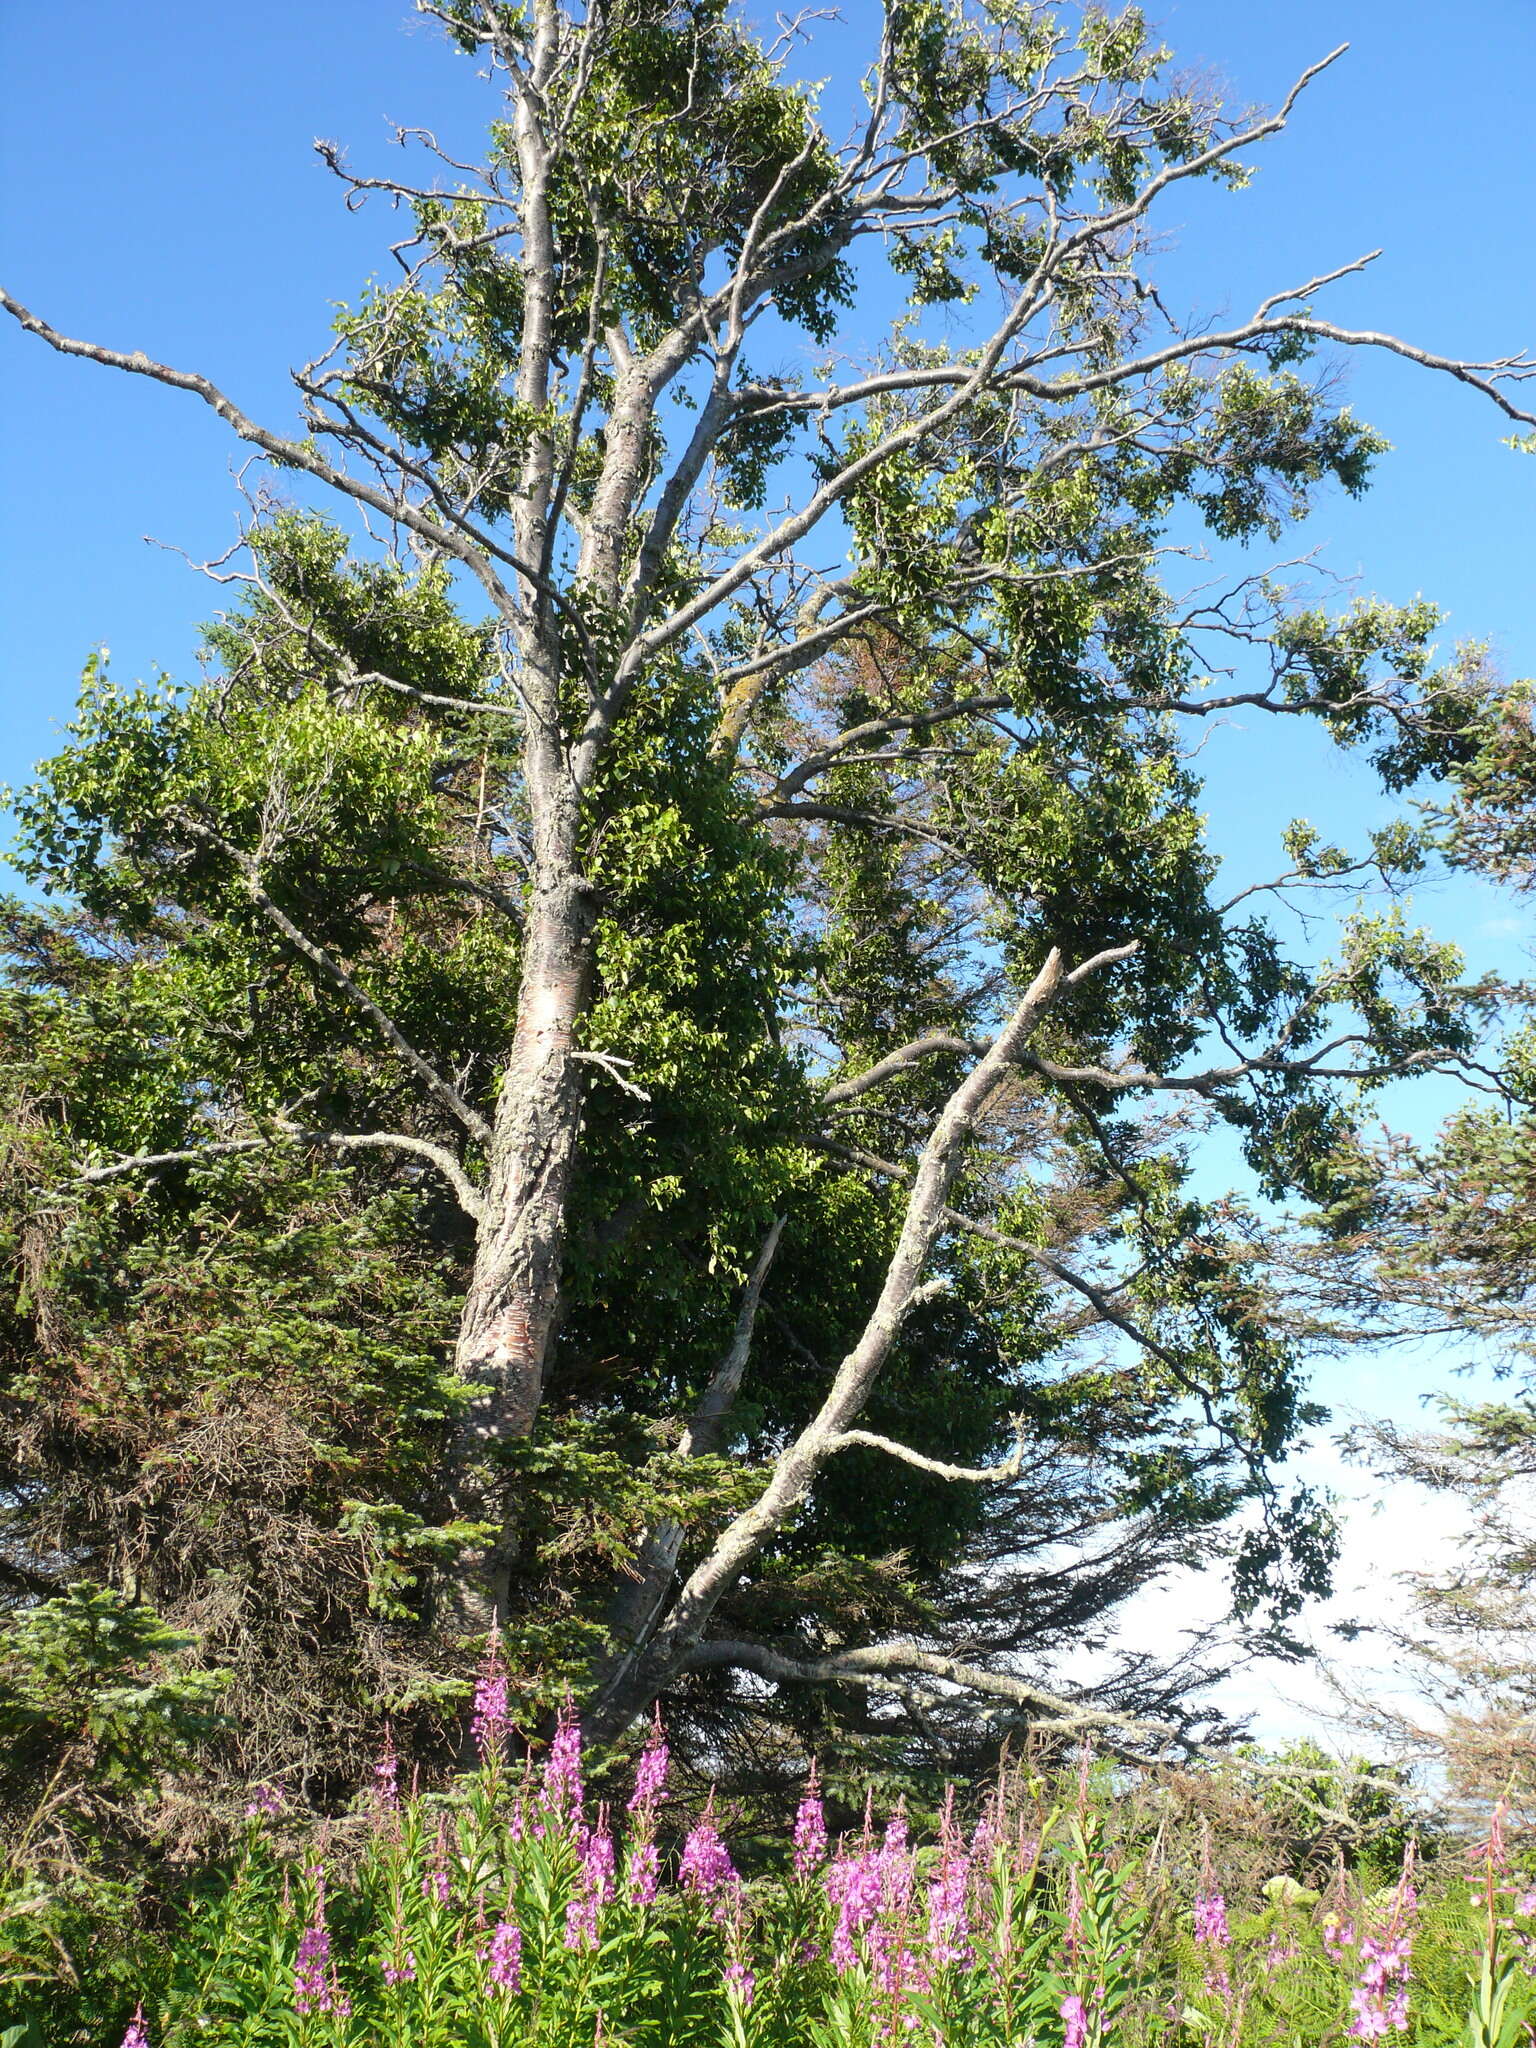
{"points": [[1062, 1908]]}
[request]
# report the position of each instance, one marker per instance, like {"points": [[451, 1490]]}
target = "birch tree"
{"points": [[736, 731]]}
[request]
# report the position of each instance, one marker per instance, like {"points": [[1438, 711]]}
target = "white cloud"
{"points": [[1388, 1530]]}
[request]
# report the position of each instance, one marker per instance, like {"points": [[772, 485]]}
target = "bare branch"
{"points": [[467, 707], [798, 652], [469, 1196], [978, 1475], [795, 779], [881, 1663], [703, 1433], [1098, 1297], [151, 1162], [854, 1381], [901, 1061], [875, 821], [290, 454], [612, 1065]]}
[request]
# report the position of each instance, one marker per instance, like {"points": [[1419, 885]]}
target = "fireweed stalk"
{"points": [[561, 1792], [1500, 1992], [595, 1886], [386, 1779], [316, 1986], [642, 1860], [499, 1955], [705, 1868], [1102, 1973], [414, 1956], [879, 1928], [949, 1924], [1379, 2001], [489, 1722], [810, 1829], [650, 1772], [505, 1913]]}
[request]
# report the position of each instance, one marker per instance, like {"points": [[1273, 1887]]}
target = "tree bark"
{"points": [[511, 1306]]}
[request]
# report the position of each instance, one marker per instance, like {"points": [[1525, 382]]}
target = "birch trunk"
{"points": [[511, 1308]]}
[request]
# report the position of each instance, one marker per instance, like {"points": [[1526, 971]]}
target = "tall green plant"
{"points": [[628, 1066], [509, 1909]]}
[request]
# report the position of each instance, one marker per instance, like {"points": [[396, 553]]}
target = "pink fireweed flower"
{"points": [[1075, 2013], [705, 1867], [854, 1887], [581, 1921], [488, 1720], [740, 1978], [137, 2035], [597, 1859], [843, 1953], [1211, 1929], [1495, 1851], [949, 1832], [386, 1774], [315, 1985], [1338, 1937], [595, 1886], [503, 1957], [897, 1869], [1379, 2000], [872, 1890], [1215, 1937], [642, 1872], [949, 1924], [560, 1787], [265, 1800], [1282, 1950], [651, 1771], [401, 1968], [810, 1830], [894, 1967], [983, 1844], [741, 1982]]}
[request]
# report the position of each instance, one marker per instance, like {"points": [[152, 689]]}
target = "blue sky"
{"points": [[162, 193], [165, 195]]}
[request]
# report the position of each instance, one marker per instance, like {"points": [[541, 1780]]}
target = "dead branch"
{"points": [[979, 1475], [795, 1470], [469, 1196]]}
